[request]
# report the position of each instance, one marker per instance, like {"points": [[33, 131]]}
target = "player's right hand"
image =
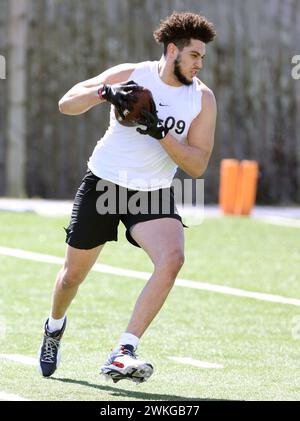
{"points": [[121, 95]]}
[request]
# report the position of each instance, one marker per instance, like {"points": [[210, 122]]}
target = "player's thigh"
{"points": [[78, 262], [162, 238]]}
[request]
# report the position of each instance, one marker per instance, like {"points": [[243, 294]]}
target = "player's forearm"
{"points": [[79, 99], [190, 159]]}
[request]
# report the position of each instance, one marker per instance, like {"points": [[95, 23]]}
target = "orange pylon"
{"points": [[228, 184], [246, 189], [238, 185]]}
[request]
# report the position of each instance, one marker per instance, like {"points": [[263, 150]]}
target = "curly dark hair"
{"points": [[181, 27]]}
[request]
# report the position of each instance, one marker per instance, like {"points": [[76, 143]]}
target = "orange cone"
{"points": [[228, 184], [246, 187]]}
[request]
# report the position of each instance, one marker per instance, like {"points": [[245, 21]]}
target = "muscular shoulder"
{"points": [[208, 98], [119, 73], [116, 74], [207, 93]]}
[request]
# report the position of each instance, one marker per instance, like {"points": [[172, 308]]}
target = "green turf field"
{"points": [[256, 342]]}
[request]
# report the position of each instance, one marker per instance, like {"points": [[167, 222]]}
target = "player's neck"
{"points": [[166, 73]]}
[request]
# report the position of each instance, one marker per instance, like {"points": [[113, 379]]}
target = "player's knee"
{"points": [[71, 278], [171, 262]]}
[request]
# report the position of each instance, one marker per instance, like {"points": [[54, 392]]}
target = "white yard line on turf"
{"points": [[10, 397], [19, 359], [196, 363], [22, 254], [182, 360], [280, 221]]}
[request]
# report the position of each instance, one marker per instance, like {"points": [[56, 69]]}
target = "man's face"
{"points": [[189, 61]]}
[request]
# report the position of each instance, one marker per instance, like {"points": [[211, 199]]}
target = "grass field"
{"points": [[255, 341]]}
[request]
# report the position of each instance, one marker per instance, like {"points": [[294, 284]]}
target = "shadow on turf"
{"points": [[129, 393]]}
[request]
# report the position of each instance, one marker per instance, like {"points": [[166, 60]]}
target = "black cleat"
{"points": [[49, 354]]}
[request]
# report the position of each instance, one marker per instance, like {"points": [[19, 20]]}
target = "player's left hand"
{"points": [[154, 126]]}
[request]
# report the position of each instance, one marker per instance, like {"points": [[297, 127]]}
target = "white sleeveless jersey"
{"points": [[129, 159]]}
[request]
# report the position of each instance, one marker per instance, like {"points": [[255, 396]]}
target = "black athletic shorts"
{"points": [[89, 228]]}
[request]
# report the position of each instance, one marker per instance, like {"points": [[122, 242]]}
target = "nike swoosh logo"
{"points": [[163, 105]]}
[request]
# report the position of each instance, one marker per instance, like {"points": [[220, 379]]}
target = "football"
{"points": [[144, 97]]}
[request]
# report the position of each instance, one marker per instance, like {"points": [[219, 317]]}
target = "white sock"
{"points": [[55, 324], [129, 339]]}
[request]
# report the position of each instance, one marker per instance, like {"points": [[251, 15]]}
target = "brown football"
{"points": [[144, 97]]}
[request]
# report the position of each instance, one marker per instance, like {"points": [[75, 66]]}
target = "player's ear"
{"points": [[172, 50]]}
